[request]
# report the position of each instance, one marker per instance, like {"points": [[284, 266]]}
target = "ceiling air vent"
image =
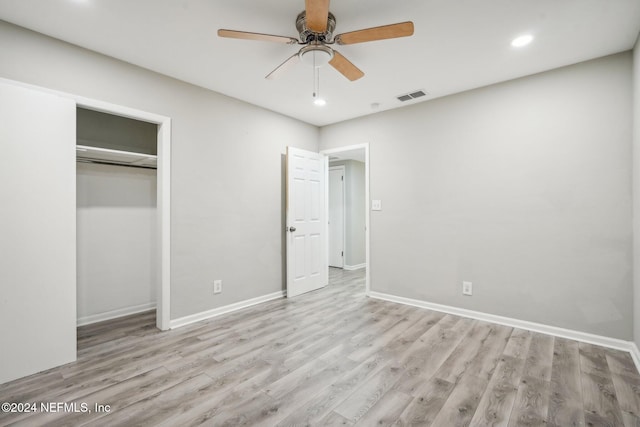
{"points": [[412, 95]]}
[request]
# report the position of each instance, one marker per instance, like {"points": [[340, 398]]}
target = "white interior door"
{"points": [[306, 222], [336, 216]]}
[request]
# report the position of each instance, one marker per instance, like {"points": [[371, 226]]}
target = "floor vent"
{"points": [[412, 95]]}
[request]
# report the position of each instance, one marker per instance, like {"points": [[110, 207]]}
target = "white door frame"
{"points": [[364, 146], [163, 294], [344, 210]]}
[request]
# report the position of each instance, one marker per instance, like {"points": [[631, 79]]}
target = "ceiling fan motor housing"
{"points": [[307, 36]]}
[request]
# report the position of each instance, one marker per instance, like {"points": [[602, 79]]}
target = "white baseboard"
{"points": [[600, 340], [354, 267], [635, 355], [114, 314], [193, 318]]}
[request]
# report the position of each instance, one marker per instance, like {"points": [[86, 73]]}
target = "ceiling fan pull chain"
{"points": [[316, 79], [317, 76]]}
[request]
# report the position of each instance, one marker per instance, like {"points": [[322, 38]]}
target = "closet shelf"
{"points": [[90, 154]]}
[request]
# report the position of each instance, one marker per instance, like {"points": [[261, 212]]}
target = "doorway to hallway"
{"points": [[348, 214]]}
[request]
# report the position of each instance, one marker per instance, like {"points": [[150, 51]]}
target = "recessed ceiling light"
{"points": [[320, 102], [522, 40]]}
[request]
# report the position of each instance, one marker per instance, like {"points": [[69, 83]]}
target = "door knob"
{"points": [[292, 229]]}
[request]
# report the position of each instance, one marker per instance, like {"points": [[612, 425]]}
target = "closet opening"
{"points": [[117, 217]]}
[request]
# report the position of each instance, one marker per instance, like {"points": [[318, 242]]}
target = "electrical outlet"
{"points": [[467, 288], [217, 286]]}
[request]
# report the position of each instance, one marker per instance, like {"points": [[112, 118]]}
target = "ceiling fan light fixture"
{"points": [[316, 55], [522, 40], [319, 102]]}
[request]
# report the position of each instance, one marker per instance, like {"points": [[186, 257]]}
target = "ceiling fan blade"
{"points": [[232, 34], [402, 29], [280, 69], [345, 67], [317, 12]]}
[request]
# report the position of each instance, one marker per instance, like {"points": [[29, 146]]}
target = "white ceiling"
{"points": [[457, 45]]}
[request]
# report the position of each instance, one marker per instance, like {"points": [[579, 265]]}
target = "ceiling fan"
{"points": [[315, 26]]}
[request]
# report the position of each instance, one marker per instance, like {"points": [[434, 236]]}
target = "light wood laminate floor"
{"points": [[332, 357]]}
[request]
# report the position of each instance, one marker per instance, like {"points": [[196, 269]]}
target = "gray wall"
{"points": [[103, 130], [636, 193], [356, 233], [227, 174], [116, 240], [523, 188], [355, 253]]}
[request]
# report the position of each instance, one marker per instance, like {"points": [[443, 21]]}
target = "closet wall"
{"points": [[116, 221]]}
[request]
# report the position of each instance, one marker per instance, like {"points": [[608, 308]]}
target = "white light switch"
{"points": [[376, 205]]}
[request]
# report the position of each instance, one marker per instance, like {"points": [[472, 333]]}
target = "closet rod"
{"points": [[125, 165]]}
